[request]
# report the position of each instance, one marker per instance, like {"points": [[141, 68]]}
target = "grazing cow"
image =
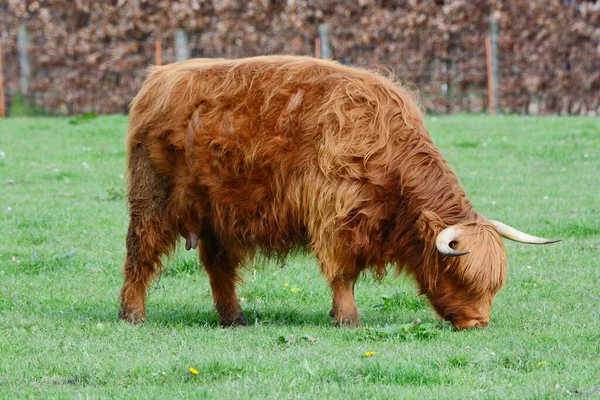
{"points": [[276, 153]]}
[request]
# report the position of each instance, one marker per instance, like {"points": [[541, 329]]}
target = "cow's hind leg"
{"points": [[221, 267], [150, 234], [146, 242]]}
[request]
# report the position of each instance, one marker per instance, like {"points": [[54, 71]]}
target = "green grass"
{"points": [[63, 221]]}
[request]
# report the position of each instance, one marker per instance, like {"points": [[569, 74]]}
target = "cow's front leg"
{"points": [[344, 311], [221, 267]]}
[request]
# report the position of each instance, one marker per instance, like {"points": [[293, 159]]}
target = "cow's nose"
{"points": [[471, 323], [482, 323]]}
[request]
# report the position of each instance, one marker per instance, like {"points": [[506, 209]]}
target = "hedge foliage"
{"points": [[90, 56]]}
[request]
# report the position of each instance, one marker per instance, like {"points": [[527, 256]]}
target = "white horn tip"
{"points": [[548, 241]]}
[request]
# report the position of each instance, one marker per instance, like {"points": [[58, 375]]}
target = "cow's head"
{"points": [[470, 268]]}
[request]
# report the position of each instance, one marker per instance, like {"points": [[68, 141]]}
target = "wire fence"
{"points": [[444, 85], [539, 62]]}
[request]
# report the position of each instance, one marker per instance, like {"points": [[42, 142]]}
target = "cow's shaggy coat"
{"points": [[274, 153]]}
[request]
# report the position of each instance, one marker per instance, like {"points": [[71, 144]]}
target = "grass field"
{"points": [[63, 221]]}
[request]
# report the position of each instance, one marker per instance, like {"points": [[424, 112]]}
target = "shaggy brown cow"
{"points": [[274, 153]]}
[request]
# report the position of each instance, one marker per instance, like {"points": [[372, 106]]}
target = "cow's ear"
{"points": [[429, 224]]}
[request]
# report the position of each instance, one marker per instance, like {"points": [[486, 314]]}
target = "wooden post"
{"points": [[158, 52], [2, 110], [490, 77], [317, 48]]}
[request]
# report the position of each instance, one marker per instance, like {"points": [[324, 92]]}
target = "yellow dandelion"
{"points": [[542, 363], [295, 289], [194, 371], [286, 284], [370, 353]]}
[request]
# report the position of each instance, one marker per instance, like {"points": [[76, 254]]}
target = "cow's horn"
{"points": [[518, 236], [443, 240]]}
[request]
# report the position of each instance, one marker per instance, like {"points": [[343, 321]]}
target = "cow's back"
{"points": [[275, 151]]}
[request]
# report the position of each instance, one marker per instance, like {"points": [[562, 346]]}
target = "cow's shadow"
{"points": [[209, 318], [186, 316], [201, 317], [104, 310]]}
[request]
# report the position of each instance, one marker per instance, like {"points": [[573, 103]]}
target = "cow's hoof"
{"points": [[350, 321], [240, 320], [133, 317]]}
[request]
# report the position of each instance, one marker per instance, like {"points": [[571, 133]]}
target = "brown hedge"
{"points": [[90, 56]]}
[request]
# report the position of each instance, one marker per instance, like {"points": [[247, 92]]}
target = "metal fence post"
{"points": [[323, 36], [494, 31], [182, 49], [24, 64]]}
